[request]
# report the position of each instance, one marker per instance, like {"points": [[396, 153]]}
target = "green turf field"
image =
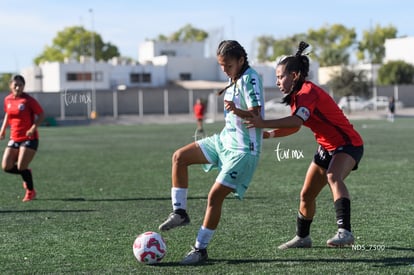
{"points": [[100, 186]]}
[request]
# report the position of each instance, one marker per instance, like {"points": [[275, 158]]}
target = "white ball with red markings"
{"points": [[149, 248]]}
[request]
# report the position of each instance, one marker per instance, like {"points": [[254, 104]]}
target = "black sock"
{"points": [[302, 226], [343, 213], [181, 212], [27, 178], [13, 170]]}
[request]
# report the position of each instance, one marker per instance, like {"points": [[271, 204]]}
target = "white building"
{"points": [[160, 63]]}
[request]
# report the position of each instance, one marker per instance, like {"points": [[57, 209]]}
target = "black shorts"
{"points": [[323, 157], [32, 144]]}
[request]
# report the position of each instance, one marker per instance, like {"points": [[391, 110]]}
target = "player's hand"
{"points": [[266, 134], [255, 121], [229, 106], [31, 131]]}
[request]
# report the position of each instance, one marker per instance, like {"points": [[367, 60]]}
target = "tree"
{"points": [[330, 44], [186, 34], [348, 83], [4, 82], [265, 43], [396, 72], [371, 48], [74, 42], [271, 49]]}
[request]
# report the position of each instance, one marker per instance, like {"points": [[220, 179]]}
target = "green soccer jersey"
{"points": [[246, 93]]}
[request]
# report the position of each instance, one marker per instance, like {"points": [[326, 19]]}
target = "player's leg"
{"points": [[182, 158], [200, 124], [315, 180], [235, 176], [26, 155], [216, 196], [9, 160], [340, 167]]}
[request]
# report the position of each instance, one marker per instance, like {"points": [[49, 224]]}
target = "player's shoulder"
{"points": [[28, 98], [9, 96], [251, 75]]}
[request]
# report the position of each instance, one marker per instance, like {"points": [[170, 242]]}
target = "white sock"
{"points": [[179, 198], [203, 237]]}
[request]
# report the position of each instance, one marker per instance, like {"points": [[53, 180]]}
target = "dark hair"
{"points": [[296, 63], [18, 78], [233, 49]]}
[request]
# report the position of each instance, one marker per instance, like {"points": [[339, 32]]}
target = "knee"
{"points": [[178, 158], [333, 179], [306, 197], [214, 201], [6, 167]]}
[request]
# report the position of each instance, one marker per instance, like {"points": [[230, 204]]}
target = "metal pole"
{"points": [[190, 101], [93, 63], [396, 93], [141, 103], [62, 105], [165, 102], [115, 102]]}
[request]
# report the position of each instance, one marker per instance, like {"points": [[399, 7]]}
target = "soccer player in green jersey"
{"points": [[234, 151]]}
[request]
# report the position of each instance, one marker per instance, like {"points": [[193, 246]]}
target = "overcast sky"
{"points": [[27, 26]]}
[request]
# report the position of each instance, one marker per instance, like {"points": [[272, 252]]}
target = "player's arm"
{"points": [[229, 106], [3, 127], [257, 121], [280, 132], [39, 119]]}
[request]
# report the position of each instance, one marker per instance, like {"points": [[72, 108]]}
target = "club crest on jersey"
{"points": [[303, 113], [21, 107]]}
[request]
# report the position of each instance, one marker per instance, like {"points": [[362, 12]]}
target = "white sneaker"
{"points": [[297, 242], [342, 238], [195, 256], [174, 220]]}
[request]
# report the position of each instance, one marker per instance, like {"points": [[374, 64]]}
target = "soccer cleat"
{"points": [[195, 256], [297, 242], [342, 238], [174, 220], [30, 195]]}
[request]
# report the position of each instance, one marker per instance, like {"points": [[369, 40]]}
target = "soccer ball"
{"points": [[149, 248]]}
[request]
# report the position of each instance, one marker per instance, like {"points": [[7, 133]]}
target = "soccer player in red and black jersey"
{"points": [[199, 110], [339, 152], [24, 115]]}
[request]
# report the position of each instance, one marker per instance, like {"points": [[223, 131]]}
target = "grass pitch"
{"points": [[100, 186]]}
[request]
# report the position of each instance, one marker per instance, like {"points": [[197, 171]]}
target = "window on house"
{"points": [[185, 76], [135, 78], [98, 76], [140, 78], [79, 76], [84, 76], [168, 53], [146, 77]]}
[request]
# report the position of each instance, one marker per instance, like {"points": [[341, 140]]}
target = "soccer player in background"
{"points": [[199, 110], [24, 115], [339, 151], [234, 151]]}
